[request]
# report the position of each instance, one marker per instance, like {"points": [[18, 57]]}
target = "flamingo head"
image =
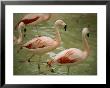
{"points": [[85, 31], [49, 64], [21, 25], [60, 24]]}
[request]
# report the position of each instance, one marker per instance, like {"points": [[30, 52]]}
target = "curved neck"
{"points": [[49, 15], [85, 44], [58, 37], [20, 37]]}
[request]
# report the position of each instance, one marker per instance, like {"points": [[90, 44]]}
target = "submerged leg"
{"points": [[39, 64], [19, 49], [68, 69], [39, 68], [30, 57], [28, 60]]}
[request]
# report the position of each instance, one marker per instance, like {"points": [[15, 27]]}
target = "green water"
{"points": [[72, 38]]}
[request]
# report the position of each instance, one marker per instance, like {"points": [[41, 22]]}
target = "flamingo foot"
{"points": [[52, 70], [39, 68]]}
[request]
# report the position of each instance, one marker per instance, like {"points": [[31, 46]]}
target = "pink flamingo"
{"points": [[72, 55], [44, 44], [30, 19]]}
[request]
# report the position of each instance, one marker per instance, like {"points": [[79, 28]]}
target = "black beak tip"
{"points": [[24, 29], [88, 34], [65, 27]]}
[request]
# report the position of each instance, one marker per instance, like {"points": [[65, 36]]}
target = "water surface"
{"points": [[72, 38]]}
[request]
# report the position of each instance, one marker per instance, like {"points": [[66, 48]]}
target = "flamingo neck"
{"points": [[58, 37], [47, 16], [86, 45], [20, 38]]}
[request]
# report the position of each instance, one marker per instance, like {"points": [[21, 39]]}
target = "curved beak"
{"points": [[87, 34], [65, 27], [50, 67]]}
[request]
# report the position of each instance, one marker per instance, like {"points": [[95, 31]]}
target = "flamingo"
{"points": [[30, 19], [44, 44], [73, 55]]}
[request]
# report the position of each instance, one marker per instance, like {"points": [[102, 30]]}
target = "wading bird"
{"points": [[43, 44], [73, 55], [32, 19]]}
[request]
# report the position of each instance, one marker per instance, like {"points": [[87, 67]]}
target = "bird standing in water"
{"points": [[31, 19], [71, 56], [43, 44]]}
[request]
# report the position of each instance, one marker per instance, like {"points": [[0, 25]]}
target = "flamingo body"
{"points": [[68, 56], [28, 21], [44, 44], [33, 19], [41, 45]]}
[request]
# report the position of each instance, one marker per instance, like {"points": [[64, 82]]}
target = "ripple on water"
{"points": [[46, 27], [51, 54], [61, 48]]}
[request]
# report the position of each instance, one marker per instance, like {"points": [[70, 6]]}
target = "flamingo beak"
{"points": [[88, 34], [24, 32], [65, 27], [50, 67], [48, 64]]}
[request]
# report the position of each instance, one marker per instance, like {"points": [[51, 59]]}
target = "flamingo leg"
{"points": [[68, 69], [28, 60], [30, 57], [19, 49], [39, 68], [39, 64]]}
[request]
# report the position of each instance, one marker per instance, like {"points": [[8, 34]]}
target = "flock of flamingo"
{"points": [[43, 44]]}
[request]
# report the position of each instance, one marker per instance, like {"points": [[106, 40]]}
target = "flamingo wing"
{"points": [[39, 42], [30, 16], [68, 56], [65, 60], [27, 21]]}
